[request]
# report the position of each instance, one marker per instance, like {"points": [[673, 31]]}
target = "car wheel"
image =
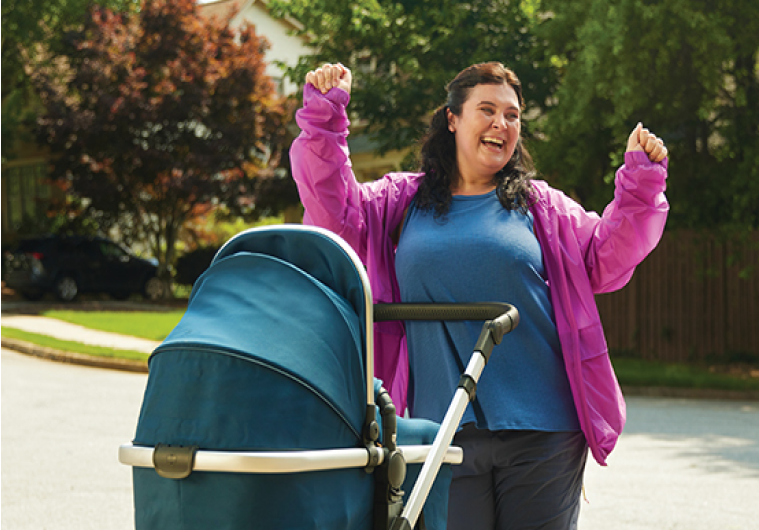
{"points": [[66, 288], [153, 289]]}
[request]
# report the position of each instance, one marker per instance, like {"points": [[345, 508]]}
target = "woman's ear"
{"points": [[451, 120]]}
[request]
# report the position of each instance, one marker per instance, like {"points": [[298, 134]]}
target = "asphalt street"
{"points": [[61, 428], [681, 464]]}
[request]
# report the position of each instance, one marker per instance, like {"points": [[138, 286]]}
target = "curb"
{"points": [[51, 354]]}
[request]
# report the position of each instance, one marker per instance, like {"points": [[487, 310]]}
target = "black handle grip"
{"points": [[472, 311], [504, 324]]}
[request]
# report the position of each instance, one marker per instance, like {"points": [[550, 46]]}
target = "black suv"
{"points": [[69, 265]]}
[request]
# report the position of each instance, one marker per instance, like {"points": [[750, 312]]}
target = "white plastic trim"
{"points": [[284, 461]]}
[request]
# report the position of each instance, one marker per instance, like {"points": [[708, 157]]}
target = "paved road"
{"points": [[681, 464], [61, 428]]}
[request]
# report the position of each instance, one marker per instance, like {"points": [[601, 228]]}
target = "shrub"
{"points": [[192, 264]]}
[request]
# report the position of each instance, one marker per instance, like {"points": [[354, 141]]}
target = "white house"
{"points": [[283, 46]]}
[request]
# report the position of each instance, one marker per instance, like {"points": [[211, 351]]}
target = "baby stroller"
{"points": [[261, 408]]}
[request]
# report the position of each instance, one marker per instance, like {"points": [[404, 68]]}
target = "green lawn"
{"points": [[152, 325], [638, 372], [70, 346]]}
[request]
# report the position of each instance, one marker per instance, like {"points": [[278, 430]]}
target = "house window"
{"points": [[279, 85]]}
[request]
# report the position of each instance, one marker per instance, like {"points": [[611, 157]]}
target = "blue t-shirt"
{"points": [[482, 252]]}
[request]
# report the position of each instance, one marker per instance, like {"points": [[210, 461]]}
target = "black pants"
{"points": [[517, 480]]}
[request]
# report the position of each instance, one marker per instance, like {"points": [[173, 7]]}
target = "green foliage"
{"points": [[688, 70], [403, 53], [67, 216], [16, 111], [216, 228], [25, 25]]}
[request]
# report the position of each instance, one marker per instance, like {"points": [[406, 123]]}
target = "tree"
{"points": [[26, 23], [153, 115], [689, 70], [402, 53]]}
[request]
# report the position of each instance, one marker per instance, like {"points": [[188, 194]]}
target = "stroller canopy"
{"points": [[290, 302]]}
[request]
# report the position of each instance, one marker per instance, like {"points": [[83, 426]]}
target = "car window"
{"points": [[68, 245], [89, 248], [35, 245], [112, 250]]}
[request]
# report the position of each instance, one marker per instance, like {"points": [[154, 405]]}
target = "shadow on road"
{"points": [[720, 434]]}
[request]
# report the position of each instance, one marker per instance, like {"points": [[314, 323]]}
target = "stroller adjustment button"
{"points": [[174, 461]]}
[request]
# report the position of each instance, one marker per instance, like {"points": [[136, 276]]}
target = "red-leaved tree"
{"points": [[157, 114]]}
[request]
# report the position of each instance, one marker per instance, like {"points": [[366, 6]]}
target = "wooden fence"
{"points": [[695, 298]]}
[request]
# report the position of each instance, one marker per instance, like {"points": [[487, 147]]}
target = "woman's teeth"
{"points": [[493, 141]]}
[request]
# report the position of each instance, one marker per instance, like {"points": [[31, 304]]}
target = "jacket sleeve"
{"points": [[630, 227], [364, 215], [322, 168]]}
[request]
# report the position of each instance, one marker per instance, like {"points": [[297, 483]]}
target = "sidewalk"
{"points": [[73, 332]]}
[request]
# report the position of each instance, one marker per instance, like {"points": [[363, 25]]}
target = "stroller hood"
{"points": [[270, 297]]}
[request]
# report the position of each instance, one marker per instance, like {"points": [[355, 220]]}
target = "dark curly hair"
{"points": [[438, 147]]}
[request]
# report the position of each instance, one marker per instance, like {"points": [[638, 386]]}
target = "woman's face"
{"points": [[486, 132]]}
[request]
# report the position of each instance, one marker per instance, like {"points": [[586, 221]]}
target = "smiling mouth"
{"points": [[495, 142]]}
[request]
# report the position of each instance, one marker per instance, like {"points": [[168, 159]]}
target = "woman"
{"points": [[472, 226]]}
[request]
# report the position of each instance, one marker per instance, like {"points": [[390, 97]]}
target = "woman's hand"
{"points": [[330, 76], [643, 140]]}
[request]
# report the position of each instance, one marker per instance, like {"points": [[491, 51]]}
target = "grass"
{"points": [[157, 325], [151, 325], [70, 346], [639, 372]]}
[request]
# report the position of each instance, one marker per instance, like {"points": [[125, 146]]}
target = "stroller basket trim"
{"points": [[284, 461]]}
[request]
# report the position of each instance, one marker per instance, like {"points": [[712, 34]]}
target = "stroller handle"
{"points": [[497, 311]]}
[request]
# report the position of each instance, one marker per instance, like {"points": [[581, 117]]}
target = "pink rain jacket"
{"points": [[583, 253]]}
